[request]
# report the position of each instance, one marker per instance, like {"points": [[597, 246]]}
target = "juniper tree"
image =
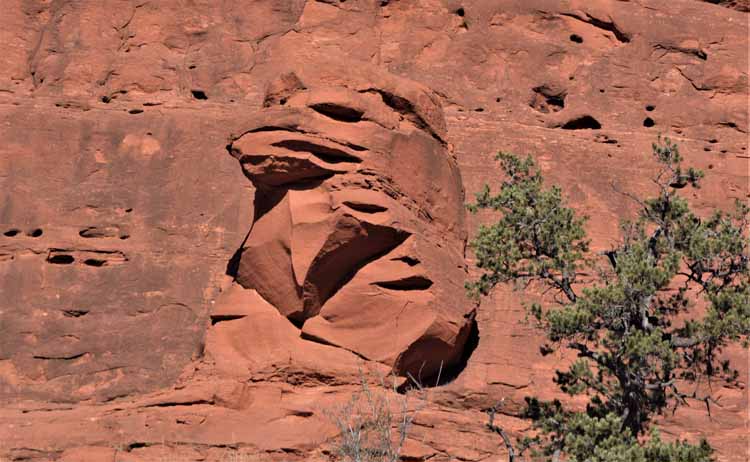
{"points": [[641, 345]]}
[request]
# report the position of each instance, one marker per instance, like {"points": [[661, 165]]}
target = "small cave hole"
{"points": [[409, 283], [365, 207], [547, 100], [650, 108], [61, 259], [199, 94], [36, 232], [411, 261], [648, 122], [605, 139], [215, 319], [75, 313], [576, 38], [338, 112], [89, 232], [450, 373], [95, 262], [582, 123], [11, 232]]}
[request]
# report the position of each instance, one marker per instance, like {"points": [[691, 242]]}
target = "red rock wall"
{"points": [[121, 208]]}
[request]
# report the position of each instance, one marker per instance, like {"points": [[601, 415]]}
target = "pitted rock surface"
{"points": [[160, 302]]}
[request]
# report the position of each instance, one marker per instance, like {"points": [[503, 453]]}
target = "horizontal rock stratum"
{"points": [[214, 214]]}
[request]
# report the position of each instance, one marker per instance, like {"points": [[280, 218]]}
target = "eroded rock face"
{"points": [[358, 237], [114, 118]]}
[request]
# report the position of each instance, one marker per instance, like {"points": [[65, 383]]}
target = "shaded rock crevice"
{"points": [[407, 110], [607, 25], [585, 122]]}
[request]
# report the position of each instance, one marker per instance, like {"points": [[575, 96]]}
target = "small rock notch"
{"points": [[584, 122], [547, 99]]}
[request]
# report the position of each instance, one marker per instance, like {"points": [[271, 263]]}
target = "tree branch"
{"points": [[506, 440]]}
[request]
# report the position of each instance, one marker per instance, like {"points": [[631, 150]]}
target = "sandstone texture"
{"points": [[358, 236], [215, 214]]}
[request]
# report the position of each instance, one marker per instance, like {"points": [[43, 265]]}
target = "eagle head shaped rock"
{"points": [[358, 235]]}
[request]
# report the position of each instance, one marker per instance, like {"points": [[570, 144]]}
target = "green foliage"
{"points": [[635, 356], [602, 439], [537, 236]]}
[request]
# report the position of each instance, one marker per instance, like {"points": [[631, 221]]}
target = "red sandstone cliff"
{"points": [[138, 322]]}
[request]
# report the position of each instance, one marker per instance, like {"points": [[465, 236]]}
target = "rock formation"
{"points": [[122, 337], [358, 236]]}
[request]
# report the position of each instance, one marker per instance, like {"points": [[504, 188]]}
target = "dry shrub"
{"points": [[374, 423]]}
